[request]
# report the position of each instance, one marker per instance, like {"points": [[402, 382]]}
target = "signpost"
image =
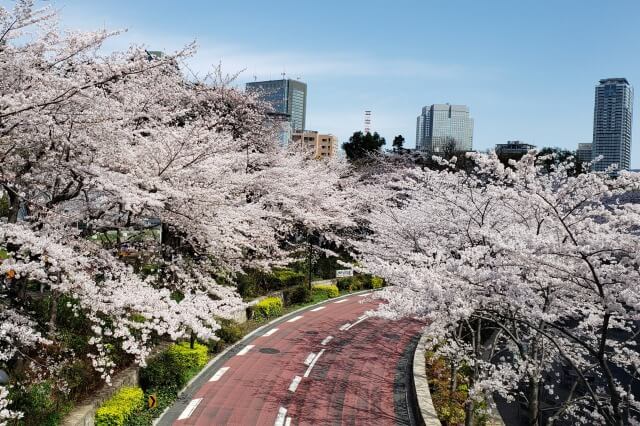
{"points": [[342, 273], [153, 401]]}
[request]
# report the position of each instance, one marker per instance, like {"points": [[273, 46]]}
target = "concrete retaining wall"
{"points": [[427, 410], [83, 414]]}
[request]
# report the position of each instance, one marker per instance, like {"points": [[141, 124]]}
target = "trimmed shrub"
{"points": [[162, 372], [282, 278], [173, 368], [230, 331], [297, 295], [270, 307], [354, 283], [188, 360], [328, 290], [377, 282], [116, 410]]}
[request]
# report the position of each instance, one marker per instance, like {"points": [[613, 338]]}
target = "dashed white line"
{"points": [[282, 414], [188, 411], [344, 326], [218, 374], [362, 318], [306, 373], [295, 318], [319, 308], [310, 358], [326, 340], [270, 332], [246, 349], [287, 422], [294, 383], [341, 301], [363, 295]]}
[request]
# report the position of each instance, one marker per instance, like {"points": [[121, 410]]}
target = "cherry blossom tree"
{"points": [[542, 261]]}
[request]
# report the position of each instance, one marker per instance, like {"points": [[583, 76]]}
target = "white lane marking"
{"points": [[246, 349], [310, 358], [282, 414], [362, 295], [326, 340], [319, 308], [306, 373], [356, 323], [287, 422], [294, 383], [218, 374], [341, 301], [270, 332], [188, 411], [295, 318], [344, 326]]}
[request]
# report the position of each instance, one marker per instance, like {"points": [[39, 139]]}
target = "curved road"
{"points": [[326, 365]]}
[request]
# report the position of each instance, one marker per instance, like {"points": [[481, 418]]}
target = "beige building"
{"points": [[322, 145]]}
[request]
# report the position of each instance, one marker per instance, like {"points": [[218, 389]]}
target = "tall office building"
{"points": [[439, 125], [584, 151], [612, 116], [286, 97]]}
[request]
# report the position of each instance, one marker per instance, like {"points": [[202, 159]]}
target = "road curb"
{"points": [[421, 385], [241, 342]]}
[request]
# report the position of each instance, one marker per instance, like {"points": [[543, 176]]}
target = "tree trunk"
{"points": [[14, 206], [192, 340], [534, 401], [53, 313]]}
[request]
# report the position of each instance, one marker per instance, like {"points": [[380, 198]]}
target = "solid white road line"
{"points": [[306, 373], [295, 318], [282, 414], [188, 411], [341, 301], [344, 326], [319, 308], [246, 349], [287, 422], [326, 340], [270, 332], [218, 374], [294, 383], [310, 358]]}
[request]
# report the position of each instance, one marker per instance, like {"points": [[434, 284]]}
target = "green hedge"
{"points": [[270, 307], [186, 359], [328, 290], [116, 411], [377, 282], [172, 368], [360, 282], [297, 295]]}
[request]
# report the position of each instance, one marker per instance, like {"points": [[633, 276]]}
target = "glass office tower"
{"points": [[441, 126], [286, 97], [612, 117]]}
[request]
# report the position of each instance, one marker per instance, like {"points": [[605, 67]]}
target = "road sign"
{"points": [[153, 401], [341, 273]]}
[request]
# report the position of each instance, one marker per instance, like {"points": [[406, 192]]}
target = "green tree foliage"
{"points": [[362, 145], [398, 144]]}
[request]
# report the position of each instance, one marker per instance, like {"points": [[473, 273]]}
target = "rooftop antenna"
{"points": [[367, 122], [283, 74]]}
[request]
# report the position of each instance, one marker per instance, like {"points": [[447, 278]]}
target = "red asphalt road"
{"points": [[352, 381]]}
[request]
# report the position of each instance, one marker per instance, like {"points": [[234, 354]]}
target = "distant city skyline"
{"points": [[527, 73]]}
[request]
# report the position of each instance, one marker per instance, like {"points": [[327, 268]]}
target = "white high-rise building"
{"points": [[442, 125], [612, 117]]}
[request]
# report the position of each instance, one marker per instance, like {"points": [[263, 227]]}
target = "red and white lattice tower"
{"points": [[367, 122]]}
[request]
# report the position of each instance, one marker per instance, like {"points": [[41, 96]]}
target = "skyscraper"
{"points": [[286, 97], [442, 125], [612, 116]]}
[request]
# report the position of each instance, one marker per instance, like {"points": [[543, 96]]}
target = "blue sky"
{"points": [[527, 69]]}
